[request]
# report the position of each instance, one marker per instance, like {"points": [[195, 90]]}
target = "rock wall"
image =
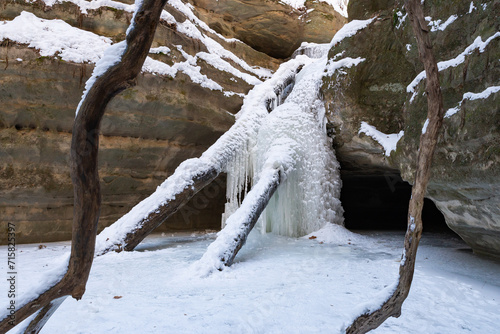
{"points": [[465, 182], [147, 130], [270, 26]]}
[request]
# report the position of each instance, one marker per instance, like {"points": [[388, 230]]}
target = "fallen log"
{"points": [[234, 235], [36, 325], [131, 229]]}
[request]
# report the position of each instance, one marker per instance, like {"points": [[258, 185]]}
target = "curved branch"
{"points": [[84, 173], [428, 141]]}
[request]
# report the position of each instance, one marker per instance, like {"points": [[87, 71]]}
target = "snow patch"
{"points": [[482, 95], [401, 19], [478, 44], [160, 49], [472, 96], [85, 5], [312, 50], [350, 29], [222, 65], [347, 62], [452, 111], [55, 38], [424, 128], [388, 141], [472, 7], [338, 5], [438, 25]]}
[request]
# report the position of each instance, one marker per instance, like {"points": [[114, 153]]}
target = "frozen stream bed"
{"points": [[277, 285]]}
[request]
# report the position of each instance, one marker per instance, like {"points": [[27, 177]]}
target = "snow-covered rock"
{"points": [[385, 96]]}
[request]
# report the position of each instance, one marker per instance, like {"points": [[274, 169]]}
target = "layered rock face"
{"points": [[176, 111], [269, 26], [384, 92]]}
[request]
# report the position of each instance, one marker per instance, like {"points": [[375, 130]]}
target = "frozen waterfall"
{"points": [[293, 138]]}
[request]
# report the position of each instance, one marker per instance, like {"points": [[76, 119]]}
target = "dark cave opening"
{"points": [[380, 202]]}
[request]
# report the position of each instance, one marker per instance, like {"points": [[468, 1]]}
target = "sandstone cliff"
{"points": [[178, 108]]}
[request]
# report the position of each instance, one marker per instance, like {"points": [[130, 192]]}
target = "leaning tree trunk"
{"points": [[428, 141], [234, 235], [159, 212], [84, 173]]}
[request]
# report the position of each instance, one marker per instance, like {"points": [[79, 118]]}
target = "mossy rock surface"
{"points": [[465, 183]]}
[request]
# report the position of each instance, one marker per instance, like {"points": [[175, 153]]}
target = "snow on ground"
{"points": [[277, 285]]}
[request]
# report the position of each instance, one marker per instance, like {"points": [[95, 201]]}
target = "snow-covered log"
{"points": [[234, 235], [162, 210]]}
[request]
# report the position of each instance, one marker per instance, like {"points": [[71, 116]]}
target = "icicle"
{"points": [[238, 174]]}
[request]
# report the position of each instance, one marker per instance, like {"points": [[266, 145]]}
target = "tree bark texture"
{"points": [[428, 141], [84, 173]]}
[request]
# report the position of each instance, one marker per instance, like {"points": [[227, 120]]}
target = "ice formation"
{"points": [[309, 197], [292, 138]]}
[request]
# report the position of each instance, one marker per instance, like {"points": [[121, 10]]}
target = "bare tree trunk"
{"points": [[230, 240], [84, 173], [428, 140]]}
